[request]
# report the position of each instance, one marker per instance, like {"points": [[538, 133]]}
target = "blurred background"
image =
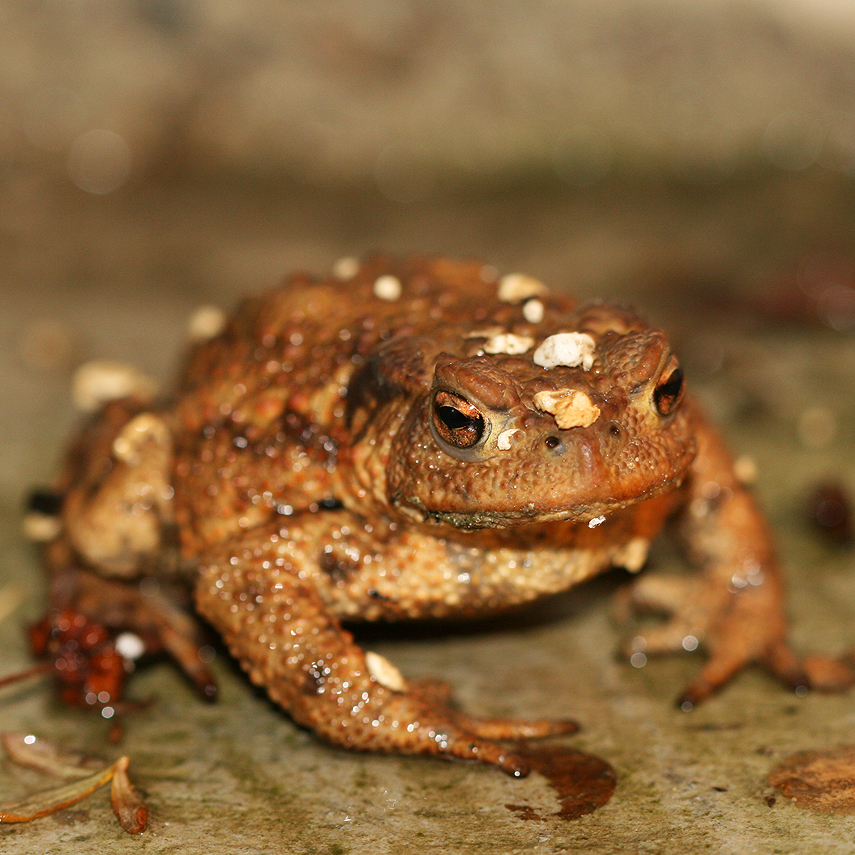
{"points": [[622, 137], [414, 97], [696, 158]]}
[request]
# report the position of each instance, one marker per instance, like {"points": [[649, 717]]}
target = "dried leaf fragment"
{"points": [[43, 756], [57, 798], [40, 754], [127, 803]]}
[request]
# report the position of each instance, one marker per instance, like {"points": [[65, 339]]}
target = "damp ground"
{"points": [[754, 280]]}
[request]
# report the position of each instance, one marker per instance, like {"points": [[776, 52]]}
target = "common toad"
{"points": [[409, 438]]}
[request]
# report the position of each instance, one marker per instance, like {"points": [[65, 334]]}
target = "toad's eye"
{"points": [[457, 421], [669, 389]]}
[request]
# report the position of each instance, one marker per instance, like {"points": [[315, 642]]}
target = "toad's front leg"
{"points": [[735, 607], [261, 597]]}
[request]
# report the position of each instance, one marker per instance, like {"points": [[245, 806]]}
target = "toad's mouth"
{"points": [[592, 513]]}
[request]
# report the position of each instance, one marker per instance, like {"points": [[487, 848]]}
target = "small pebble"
{"points": [[206, 323], [99, 381], [533, 311], [388, 288], [346, 268], [516, 287]]}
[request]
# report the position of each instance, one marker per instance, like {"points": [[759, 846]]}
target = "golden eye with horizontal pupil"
{"points": [[457, 421], [669, 389]]}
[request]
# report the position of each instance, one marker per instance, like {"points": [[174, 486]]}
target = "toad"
{"points": [[406, 438]]}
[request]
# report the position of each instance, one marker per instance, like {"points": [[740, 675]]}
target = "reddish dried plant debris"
{"points": [[90, 671], [819, 780], [40, 754], [26, 674]]}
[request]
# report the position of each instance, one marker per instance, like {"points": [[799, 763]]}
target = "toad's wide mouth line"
{"points": [[591, 515]]}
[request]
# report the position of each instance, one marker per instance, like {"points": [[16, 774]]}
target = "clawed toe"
{"points": [[830, 673]]}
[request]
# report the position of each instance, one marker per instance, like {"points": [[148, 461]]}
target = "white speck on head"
{"points": [[569, 407], [384, 672], [129, 645], [533, 311], [568, 349], [205, 323], [508, 343], [99, 381], [503, 441], [516, 287], [596, 521], [388, 287], [346, 268]]}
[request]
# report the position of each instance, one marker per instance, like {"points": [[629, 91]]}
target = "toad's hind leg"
{"points": [[117, 489], [114, 520], [260, 596]]}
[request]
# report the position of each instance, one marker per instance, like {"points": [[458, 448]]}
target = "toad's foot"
{"points": [[734, 608], [286, 639], [424, 722], [736, 628]]}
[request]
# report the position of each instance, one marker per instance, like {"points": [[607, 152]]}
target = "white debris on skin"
{"points": [[516, 287], [569, 407], [146, 427], [388, 288], [129, 646], [632, 555], [205, 323], [508, 343], [384, 672], [97, 382], [503, 440], [567, 349], [489, 332], [346, 268], [533, 311]]}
